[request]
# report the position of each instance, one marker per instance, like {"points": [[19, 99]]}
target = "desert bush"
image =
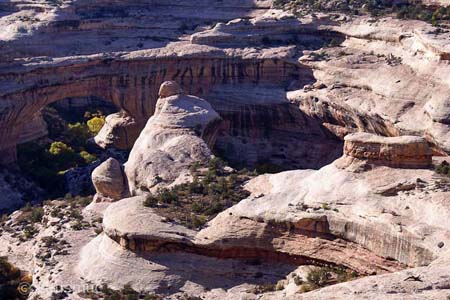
{"points": [[151, 201], [443, 168], [168, 196], [76, 135], [28, 232], [265, 288], [95, 124], [193, 204], [411, 10], [87, 157]]}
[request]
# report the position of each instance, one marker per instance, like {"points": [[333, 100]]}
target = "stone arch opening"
{"points": [[56, 148], [131, 85]]}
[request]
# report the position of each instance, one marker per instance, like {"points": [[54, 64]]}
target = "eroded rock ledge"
{"points": [[308, 241], [361, 220], [396, 152]]}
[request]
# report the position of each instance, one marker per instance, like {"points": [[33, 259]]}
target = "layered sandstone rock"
{"points": [[179, 133], [398, 152], [385, 78], [388, 77], [53, 43], [272, 28], [377, 221]]}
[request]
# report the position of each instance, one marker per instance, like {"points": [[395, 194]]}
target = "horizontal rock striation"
{"points": [[268, 29], [266, 128], [307, 242], [67, 49], [398, 152], [131, 84], [385, 78]]}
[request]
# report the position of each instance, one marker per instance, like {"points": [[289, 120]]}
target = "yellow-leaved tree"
{"points": [[95, 124]]}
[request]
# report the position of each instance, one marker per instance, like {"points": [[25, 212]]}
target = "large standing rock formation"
{"points": [[181, 132]]}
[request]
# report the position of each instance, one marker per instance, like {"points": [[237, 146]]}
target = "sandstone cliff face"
{"points": [[30, 83], [33, 129], [260, 126], [134, 93], [386, 78]]}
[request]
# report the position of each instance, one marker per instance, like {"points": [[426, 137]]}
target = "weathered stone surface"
{"points": [[34, 129], [271, 28], [170, 88], [439, 110], [390, 225], [128, 221], [388, 77], [109, 181], [399, 152], [177, 135], [377, 221], [385, 78], [119, 131]]}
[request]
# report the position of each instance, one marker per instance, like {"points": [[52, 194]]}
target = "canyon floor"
{"points": [[247, 149]]}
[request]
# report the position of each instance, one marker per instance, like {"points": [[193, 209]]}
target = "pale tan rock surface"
{"points": [[128, 220], [377, 221], [109, 181], [34, 129], [177, 135], [387, 76], [119, 131], [398, 152]]}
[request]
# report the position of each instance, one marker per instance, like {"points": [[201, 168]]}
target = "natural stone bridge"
{"points": [[130, 83]]}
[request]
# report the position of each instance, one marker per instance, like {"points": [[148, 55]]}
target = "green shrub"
{"points": [[49, 241], [36, 214], [198, 221], [29, 231], [267, 167], [87, 157], [168, 196], [318, 277], [64, 156], [443, 168], [95, 124], [151, 201], [216, 164], [77, 134]]}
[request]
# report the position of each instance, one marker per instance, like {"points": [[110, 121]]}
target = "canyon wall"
{"points": [[131, 84]]}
